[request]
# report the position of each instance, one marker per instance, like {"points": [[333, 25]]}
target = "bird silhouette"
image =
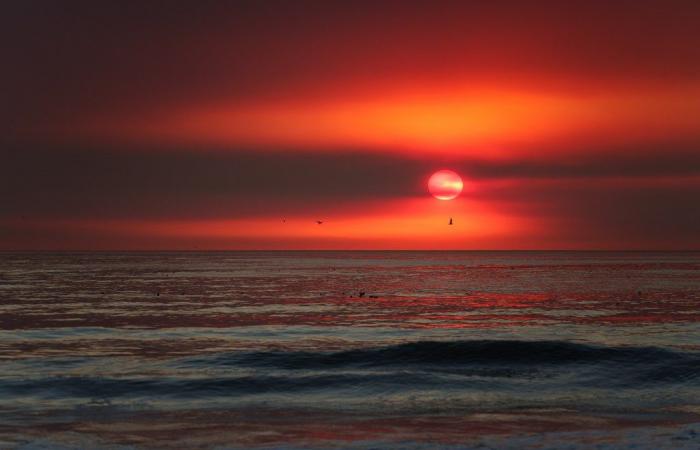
{"points": [[319, 222], [450, 220]]}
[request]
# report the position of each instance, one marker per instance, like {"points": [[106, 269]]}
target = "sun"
{"points": [[445, 185]]}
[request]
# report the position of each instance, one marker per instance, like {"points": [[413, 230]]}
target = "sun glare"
{"points": [[445, 185]]}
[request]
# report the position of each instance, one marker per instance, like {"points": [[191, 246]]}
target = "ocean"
{"points": [[336, 349]]}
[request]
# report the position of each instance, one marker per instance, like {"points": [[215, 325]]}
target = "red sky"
{"points": [[236, 125]]}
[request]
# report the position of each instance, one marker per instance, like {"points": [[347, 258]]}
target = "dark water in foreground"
{"points": [[350, 349]]}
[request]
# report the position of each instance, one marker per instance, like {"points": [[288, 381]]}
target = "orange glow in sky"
{"points": [[485, 122], [405, 223], [572, 125]]}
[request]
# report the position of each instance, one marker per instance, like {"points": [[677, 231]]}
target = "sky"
{"points": [[237, 125]]}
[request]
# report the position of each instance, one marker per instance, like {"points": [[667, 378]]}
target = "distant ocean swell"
{"points": [[419, 365], [457, 353]]}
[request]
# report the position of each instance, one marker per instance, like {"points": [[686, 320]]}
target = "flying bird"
{"points": [[319, 222]]}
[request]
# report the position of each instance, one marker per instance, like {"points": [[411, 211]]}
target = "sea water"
{"points": [[350, 350]]}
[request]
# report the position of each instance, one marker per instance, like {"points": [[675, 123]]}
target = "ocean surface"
{"points": [[350, 350]]}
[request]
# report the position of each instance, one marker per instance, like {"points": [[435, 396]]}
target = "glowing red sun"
{"points": [[445, 185]]}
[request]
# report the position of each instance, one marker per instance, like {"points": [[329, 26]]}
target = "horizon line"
{"points": [[344, 250]]}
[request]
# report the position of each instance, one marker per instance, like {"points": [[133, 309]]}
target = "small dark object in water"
{"points": [[362, 294], [373, 296]]}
